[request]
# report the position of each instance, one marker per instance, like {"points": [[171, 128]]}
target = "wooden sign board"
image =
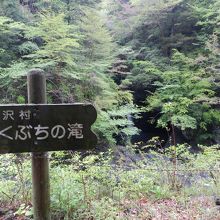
{"points": [[45, 127]]}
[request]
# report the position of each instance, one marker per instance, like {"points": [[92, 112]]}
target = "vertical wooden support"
{"points": [[36, 82]]}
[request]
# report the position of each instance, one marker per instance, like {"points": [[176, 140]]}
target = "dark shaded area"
{"points": [[148, 130]]}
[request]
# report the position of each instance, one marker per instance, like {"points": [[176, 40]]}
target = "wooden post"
{"points": [[36, 82]]}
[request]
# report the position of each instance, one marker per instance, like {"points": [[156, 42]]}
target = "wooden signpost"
{"points": [[42, 127], [39, 127]]}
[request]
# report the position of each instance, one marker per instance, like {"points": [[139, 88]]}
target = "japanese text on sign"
{"points": [[23, 115], [46, 127], [23, 132]]}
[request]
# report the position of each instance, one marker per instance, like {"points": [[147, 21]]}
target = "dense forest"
{"points": [[150, 67]]}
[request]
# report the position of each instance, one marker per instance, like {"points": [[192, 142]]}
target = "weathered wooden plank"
{"points": [[46, 127]]}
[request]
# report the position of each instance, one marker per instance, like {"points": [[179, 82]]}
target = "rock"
{"points": [[217, 201], [216, 132], [2, 212]]}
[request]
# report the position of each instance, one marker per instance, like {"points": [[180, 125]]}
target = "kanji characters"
{"points": [[25, 114], [8, 114], [75, 130]]}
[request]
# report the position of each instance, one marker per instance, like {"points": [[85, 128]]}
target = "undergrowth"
{"points": [[97, 187]]}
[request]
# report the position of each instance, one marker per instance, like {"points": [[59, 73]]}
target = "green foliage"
{"points": [[73, 9], [78, 43], [58, 41], [182, 87], [167, 52], [25, 210], [144, 73], [93, 186], [117, 122], [21, 100], [10, 39], [185, 79], [28, 48], [97, 42], [74, 53], [119, 18], [12, 9]]}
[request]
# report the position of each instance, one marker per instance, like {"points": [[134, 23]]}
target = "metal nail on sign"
{"points": [[45, 127]]}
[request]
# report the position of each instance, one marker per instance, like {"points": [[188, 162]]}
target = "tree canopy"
{"points": [[117, 54]]}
